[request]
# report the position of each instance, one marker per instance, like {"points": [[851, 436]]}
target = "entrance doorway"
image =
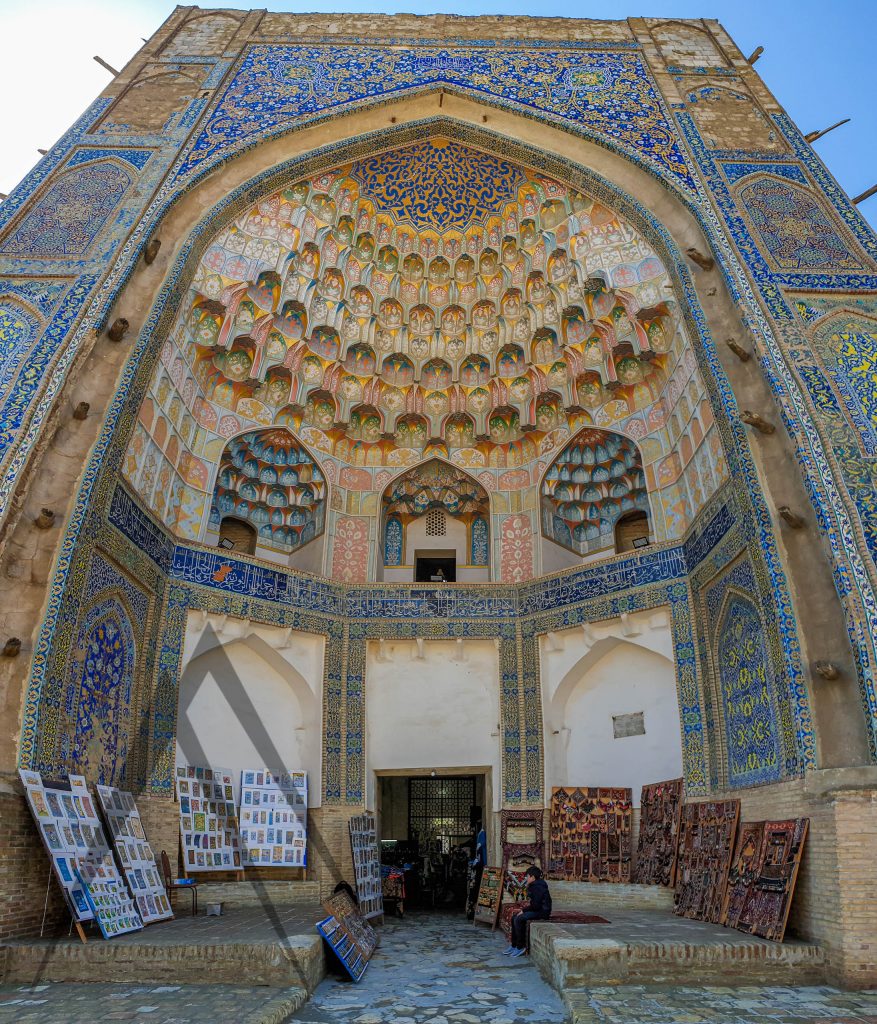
{"points": [[428, 826]]}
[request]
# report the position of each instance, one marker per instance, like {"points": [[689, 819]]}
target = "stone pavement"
{"points": [[638, 1004], [438, 969], [142, 1004]]}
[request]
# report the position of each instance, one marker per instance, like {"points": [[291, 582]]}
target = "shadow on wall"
{"points": [[270, 706]]}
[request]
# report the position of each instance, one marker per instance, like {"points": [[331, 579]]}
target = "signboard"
{"points": [[489, 896], [352, 939], [208, 819]]}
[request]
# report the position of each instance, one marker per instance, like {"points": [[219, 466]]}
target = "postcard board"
{"points": [[57, 818], [135, 854], [367, 865], [208, 819], [111, 903], [489, 896], [274, 818]]}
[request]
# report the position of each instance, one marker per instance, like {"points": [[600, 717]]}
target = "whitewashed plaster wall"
{"points": [[251, 696], [591, 674], [432, 704]]}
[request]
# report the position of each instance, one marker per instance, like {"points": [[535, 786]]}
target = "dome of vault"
{"points": [[426, 300]]}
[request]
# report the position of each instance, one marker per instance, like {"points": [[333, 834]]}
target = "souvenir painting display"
{"points": [[274, 818], [208, 819], [54, 810], [134, 853], [489, 896], [590, 837], [353, 940], [762, 876], [522, 838], [706, 842], [660, 809], [367, 865]]}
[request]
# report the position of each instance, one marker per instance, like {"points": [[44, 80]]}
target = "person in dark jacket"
{"points": [[538, 909]]}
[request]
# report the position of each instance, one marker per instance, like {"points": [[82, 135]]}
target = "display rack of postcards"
{"points": [[113, 907], [367, 865], [274, 818], [134, 853], [353, 940], [209, 832], [54, 809]]}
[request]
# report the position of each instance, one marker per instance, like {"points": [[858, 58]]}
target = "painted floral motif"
{"points": [[480, 547], [750, 728], [104, 671], [794, 227]]}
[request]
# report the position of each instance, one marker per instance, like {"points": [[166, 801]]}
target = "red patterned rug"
{"points": [[557, 917]]}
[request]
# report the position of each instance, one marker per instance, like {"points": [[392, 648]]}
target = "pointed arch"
{"points": [[591, 483]]}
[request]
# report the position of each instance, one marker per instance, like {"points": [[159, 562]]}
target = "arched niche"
{"points": [[245, 702], [594, 485], [613, 718], [269, 499], [435, 521]]}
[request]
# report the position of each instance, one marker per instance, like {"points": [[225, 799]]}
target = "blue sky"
{"points": [[819, 61]]}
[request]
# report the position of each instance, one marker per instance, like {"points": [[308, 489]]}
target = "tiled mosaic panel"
{"points": [[706, 844], [589, 836], [660, 812]]}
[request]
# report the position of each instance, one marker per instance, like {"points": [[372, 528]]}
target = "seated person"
{"points": [[538, 908]]}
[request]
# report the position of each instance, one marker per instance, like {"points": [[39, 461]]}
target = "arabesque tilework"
{"points": [[602, 93]]}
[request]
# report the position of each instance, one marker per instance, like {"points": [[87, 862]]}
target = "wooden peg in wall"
{"points": [[696, 256], [12, 647], [81, 411], [866, 195], [790, 517], [118, 330], [45, 520], [756, 53], [759, 422], [813, 136], [151, 251], [737, 349], [826, 669]]}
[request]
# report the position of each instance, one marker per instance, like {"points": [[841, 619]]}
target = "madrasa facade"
{"points": [[484, 399]]}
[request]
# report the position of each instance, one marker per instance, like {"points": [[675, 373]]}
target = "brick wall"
{"points": [[25, 871]]}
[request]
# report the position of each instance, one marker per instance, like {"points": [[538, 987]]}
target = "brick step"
{"points": [[653, 948], [281, 949]]}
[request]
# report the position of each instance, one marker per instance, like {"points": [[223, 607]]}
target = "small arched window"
{"points": [[237, 535], [631, 532]]}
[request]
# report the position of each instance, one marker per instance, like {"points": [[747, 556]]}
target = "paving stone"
{"points": [[98, 1003]]}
